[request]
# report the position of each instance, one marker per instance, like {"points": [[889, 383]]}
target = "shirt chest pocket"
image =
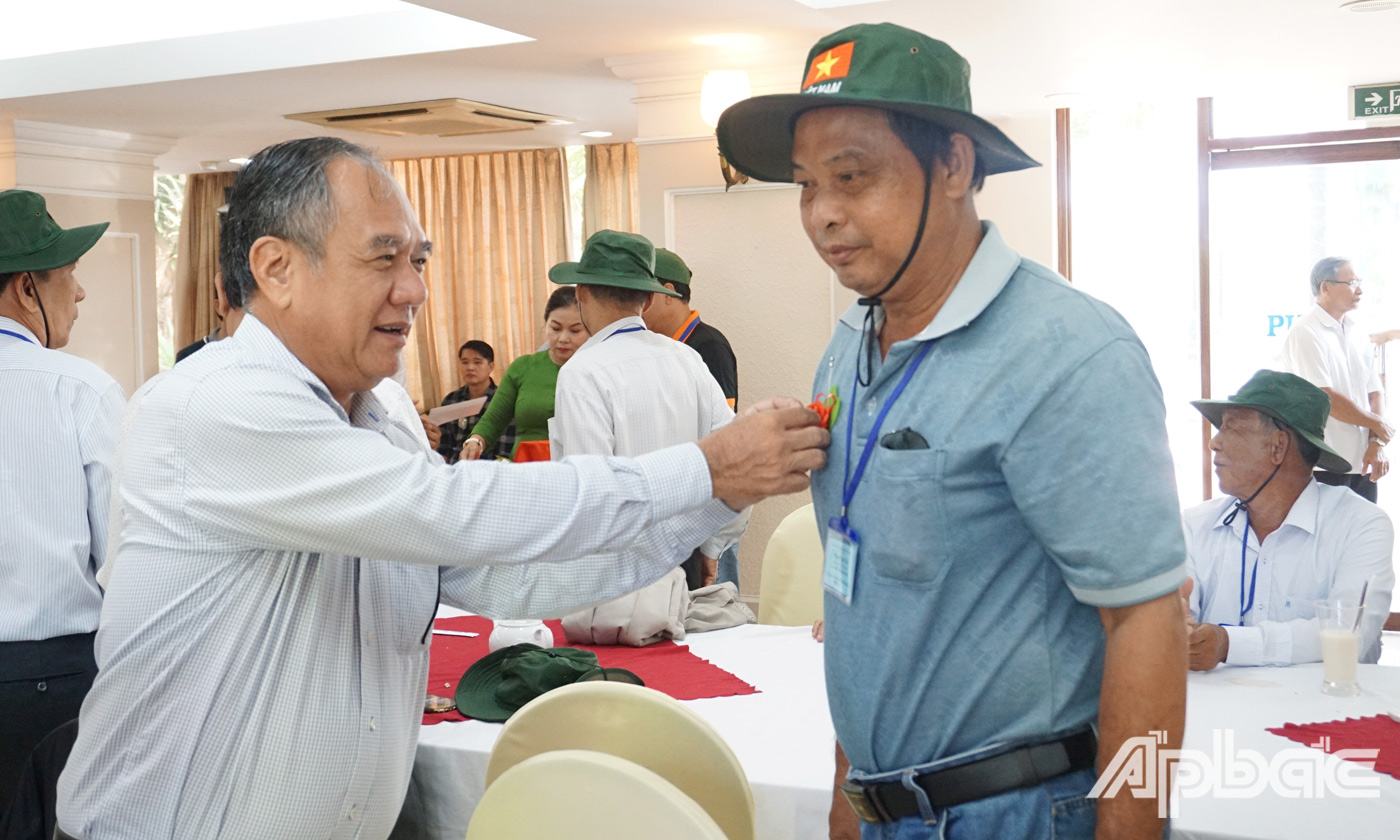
{"points": [[906, 539], [412, 602]]}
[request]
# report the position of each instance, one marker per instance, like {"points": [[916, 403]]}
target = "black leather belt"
{"points": [[1024, 767]]}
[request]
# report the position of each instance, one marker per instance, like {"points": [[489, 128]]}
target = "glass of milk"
{"points": [[1340, 646]]}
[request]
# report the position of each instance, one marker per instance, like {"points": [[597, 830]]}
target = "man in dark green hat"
{"points": [[673, 316], [58, 424], [629, 391], [1003, 543], [1279, 540]]}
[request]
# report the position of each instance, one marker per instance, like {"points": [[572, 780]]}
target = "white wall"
{"points": [[756, 278], [89, 176]]}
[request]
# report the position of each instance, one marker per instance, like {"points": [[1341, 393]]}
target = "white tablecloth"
{"points": [[1247, 701], [782, 736]]}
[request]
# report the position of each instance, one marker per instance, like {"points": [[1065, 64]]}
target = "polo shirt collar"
{"points": [[1325, 319], [620, 324], [15, 326], [986, 275], [1303, 514]]}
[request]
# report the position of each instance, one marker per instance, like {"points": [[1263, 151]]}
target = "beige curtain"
{"points": [[497, 222], [198, 256], [610, 189]]}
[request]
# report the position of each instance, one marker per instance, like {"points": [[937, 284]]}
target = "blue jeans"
{"points": [[1056, 810], [729, 566]]}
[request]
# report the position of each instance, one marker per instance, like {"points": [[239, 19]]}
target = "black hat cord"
{"points": [[867, 330], [34, 287], [1241, 505]]}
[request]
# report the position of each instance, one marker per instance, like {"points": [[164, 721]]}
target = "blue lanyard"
{"points": [[626, 330], [1253, 577], [849, 491], [17, 335]]}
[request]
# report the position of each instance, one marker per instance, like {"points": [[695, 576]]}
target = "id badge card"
{"points": [[842, 551]]}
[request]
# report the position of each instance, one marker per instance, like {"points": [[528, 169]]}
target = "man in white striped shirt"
{"points": [[629, 391], [264, 642], [59, 416]]}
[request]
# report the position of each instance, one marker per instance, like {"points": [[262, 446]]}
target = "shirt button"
{"points": [[372, 724], [870, 406], [353, 812], [369, 637]]}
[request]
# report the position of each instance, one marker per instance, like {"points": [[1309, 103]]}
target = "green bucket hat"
{"points": [[30, 240], [670, 268], [1292, 400], [501, 682], [613, 258], [878, 65]]}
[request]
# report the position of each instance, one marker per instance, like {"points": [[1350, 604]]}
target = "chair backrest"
{"points": [[641, 725], [587, 795], [790, 591]]}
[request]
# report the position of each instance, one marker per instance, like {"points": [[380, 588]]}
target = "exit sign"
{"points": [[1369, 102]]}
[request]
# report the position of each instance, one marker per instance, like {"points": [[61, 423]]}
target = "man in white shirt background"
{"points": [[58, 423], [1279, 540], [1327, 348], [629, 391]]}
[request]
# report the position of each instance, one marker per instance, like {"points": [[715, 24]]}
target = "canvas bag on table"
{"points": [[640, 618]]}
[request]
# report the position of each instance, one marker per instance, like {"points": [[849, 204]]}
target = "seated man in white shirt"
{"points": [[629, 391], [1259, 557]]}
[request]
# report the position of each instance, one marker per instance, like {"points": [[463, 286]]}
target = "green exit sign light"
{"points": [[1369, 102]]}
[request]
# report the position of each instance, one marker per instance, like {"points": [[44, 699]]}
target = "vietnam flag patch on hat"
{"points": [[835, 63]]}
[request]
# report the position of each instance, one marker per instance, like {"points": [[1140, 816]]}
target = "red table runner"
{"points": [[1377, 732], [664, 666]]}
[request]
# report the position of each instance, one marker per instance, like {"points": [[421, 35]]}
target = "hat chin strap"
{"points": [[1241, 505], [34, 287], [867, 329]]}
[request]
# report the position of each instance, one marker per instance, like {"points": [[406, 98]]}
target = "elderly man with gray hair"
{"points": [[263, 647], [1327, 348]]}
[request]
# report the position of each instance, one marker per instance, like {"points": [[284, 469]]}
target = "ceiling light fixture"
{"points": [[210, 165], [240, 161], [1370, 5], [726, 39], [595, 133], [721, 89]]}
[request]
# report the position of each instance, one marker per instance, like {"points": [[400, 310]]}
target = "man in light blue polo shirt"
{"points": [[1003, 549]]}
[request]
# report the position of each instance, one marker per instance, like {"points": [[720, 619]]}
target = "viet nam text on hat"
{"points": [[878, 65]]}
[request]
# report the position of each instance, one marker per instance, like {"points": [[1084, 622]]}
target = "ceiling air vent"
{"points": [[441, 117]]}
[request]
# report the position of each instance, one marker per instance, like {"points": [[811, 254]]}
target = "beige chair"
{"points": [[790, 592], [638, 724], [587, 795]]}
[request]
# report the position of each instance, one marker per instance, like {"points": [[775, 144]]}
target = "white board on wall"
{"points": [[109, 319], [758, 279]]}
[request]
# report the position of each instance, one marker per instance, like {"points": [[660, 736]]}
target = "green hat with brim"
{"points": [[1289, 399], [875, 65], [501, 682], [613, 258], [30, 240], [670, 268]]}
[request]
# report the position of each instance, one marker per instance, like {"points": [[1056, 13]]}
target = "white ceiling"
{"points": [[1286, 51]]}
